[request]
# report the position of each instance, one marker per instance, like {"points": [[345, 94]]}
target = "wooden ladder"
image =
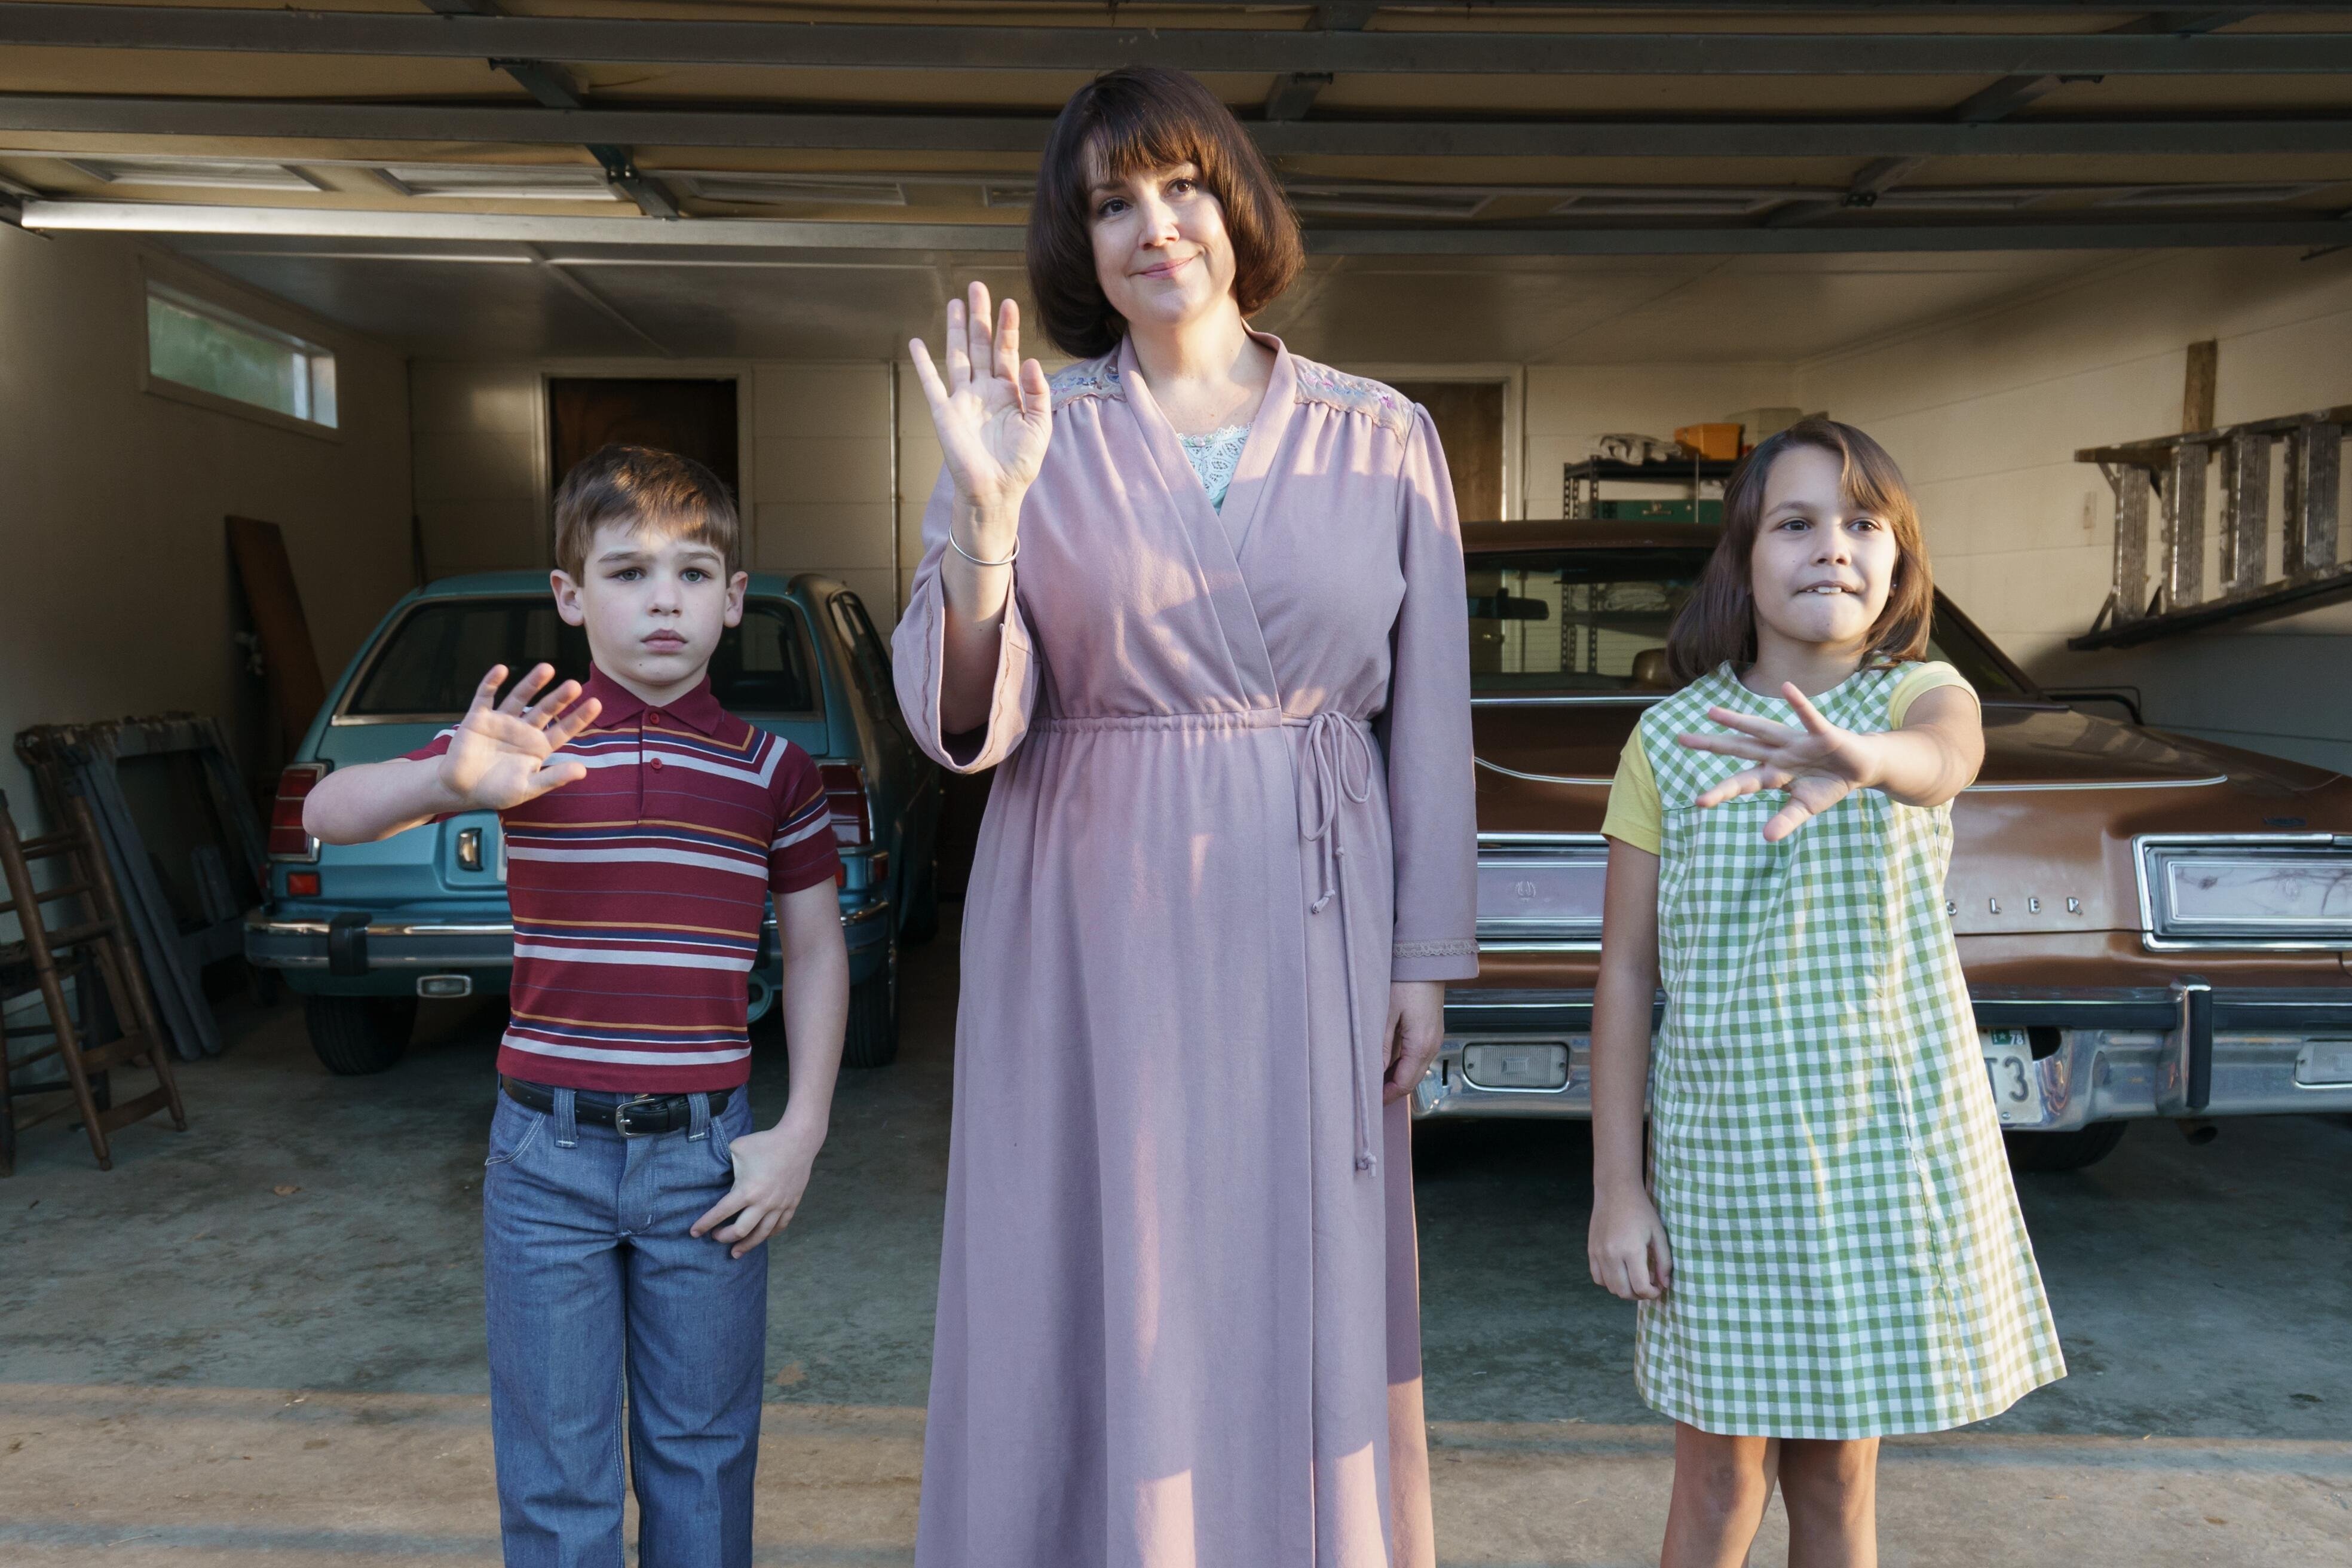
{"points": [[94, 947]]}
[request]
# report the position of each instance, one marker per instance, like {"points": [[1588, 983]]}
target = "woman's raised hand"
{"points": [[1818, 763], [994, 415]]}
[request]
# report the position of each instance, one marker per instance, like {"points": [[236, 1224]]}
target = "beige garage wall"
{"points": [[120, 591], [1571, 407], [814, 456], [1985, 413]]}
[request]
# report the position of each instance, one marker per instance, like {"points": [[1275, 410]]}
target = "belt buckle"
{"points": [[620, 1116]]}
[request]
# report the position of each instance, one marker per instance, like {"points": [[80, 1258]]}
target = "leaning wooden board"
{"points": [[290, 661]]}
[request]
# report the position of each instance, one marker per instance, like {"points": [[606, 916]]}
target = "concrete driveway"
{"points": [[261, 1340]]}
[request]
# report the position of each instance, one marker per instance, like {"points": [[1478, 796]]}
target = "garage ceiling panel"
{"points": [[451, 310]]}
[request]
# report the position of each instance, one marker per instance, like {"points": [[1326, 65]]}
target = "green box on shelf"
{"points": [[1709, 511]]}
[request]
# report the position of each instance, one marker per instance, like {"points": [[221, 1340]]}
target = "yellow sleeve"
{"points": [[1920, 680], [1635, 817]]}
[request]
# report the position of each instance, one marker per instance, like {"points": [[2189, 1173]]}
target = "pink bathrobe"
{"points": [[1178, 1321]]}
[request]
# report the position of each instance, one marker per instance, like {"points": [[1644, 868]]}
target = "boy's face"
{"points": [[654, 604]]}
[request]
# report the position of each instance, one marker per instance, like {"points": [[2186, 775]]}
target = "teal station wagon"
{"points": [[362, 930]]}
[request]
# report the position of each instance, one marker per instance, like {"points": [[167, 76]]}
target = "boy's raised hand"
{"points": [[1817, 765], [499, 756]]}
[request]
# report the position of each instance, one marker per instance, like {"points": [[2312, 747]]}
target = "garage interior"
{"points": [[1994, 235]]}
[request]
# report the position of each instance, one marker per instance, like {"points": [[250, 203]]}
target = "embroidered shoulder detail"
{"points": [[1460, 948], [1087, 378], [1352, 394]]}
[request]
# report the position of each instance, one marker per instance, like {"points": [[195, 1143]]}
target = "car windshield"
{"points": [[427, 664], [1567, 621]]}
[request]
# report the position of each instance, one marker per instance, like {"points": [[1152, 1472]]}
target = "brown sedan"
{"points": [[2150, 925]]}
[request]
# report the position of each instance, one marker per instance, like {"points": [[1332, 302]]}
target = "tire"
{"points": [[2064, 1150], [873, 1037], [355, 1035], [922, 921]]}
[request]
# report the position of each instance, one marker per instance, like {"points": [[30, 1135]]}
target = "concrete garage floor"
{"points": [[198, 1365]]}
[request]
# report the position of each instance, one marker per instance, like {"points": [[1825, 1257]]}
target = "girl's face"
{"points": [[1161, 252], [1821, 566]]}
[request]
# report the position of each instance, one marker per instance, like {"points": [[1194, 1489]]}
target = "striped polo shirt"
{"points": [[637, 893]]}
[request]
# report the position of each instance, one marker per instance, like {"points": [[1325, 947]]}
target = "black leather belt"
{"points": [[630, 1115]]}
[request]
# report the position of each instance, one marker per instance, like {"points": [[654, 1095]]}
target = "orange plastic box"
{"points": [[1711, 441]]}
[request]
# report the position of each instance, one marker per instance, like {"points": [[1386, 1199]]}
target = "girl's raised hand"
{"points": [[1819, 764], [993, 412]]}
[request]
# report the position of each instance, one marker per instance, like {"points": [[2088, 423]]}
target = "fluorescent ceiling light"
{"points": [[486, 182], [198, 173]]}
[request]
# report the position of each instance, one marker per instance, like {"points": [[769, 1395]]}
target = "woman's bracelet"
{"points": [[976, 560]]}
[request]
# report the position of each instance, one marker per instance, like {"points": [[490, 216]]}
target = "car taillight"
{"points": [[301, 884], [288, 840], [845, 793]]}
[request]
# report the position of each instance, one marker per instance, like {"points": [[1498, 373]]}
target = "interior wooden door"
{"points": [[695, 419], [1469, 419]]}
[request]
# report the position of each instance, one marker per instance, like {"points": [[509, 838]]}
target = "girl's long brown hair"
{"points": [[1717, 625]]}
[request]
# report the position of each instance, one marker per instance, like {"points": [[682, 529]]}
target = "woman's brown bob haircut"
{"points": [[1717, 624], [643, 490], [1141, 117]]}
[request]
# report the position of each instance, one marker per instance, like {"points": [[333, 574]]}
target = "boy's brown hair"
{"points": [[1143, 117], [644, 490], [1717, 624]]}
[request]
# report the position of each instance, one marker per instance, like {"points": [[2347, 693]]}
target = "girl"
{"points": [[1828, 1248]]}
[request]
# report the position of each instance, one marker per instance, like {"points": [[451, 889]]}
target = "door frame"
{"points": [[1514, 381]]}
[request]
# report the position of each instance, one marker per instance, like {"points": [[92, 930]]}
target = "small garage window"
{"points": [[194, 343]]}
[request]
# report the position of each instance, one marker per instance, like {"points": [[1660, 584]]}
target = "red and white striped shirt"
{"points": [[637, 894]]}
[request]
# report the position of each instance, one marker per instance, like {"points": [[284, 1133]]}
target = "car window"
{"points": [[1959, 645], [1575, 620], [870, 661], [1596, 621], [427, 664]]}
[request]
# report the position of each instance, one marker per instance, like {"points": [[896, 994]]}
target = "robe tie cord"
{"points": [[1338, 769]]}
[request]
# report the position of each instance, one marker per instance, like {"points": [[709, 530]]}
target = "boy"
{"points": [[626, 1197]]}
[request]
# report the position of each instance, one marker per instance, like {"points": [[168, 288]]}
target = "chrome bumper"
{"points": [[353, 946], [2230, 1053], [354, 943]]}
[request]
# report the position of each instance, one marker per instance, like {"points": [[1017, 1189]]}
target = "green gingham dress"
{"points": [[1848, 1261]]}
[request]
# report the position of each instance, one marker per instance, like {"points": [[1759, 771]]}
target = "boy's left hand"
{"points": [[1817, 765], [772, 1173]]}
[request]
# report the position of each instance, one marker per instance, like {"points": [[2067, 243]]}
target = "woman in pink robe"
{"points": [[1226, 866]]}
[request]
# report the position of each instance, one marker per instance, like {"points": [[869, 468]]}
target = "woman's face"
{"points": [[1161, 251], [1822, 566]]}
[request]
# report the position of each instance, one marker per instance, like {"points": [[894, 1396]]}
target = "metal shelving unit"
{"points": [[1580, 484]]}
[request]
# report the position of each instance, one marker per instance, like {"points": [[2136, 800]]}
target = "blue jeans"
{"points": [[588, 1274]]}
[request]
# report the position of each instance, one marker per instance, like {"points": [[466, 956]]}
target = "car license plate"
{"points": [[2016, 1077], [1538, 1064]]}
